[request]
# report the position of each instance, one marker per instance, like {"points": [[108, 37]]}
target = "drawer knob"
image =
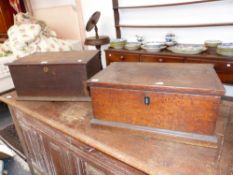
{"points": [[110, 55], [160, 60], [122, 57], [146, 100], [228, 65]]}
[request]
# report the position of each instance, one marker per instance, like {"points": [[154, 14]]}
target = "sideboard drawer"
{"points": [[220, 66], [226, 77], [118, 57], [161, 59]]}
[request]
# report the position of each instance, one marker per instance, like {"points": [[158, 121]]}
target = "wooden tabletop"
{"points": [[149, 154]]}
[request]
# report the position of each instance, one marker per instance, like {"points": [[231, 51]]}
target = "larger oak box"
{"points": [[55, 76], [167, 96]]}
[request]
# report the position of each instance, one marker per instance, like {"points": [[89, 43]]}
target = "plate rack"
{"points": [[118, 26]]}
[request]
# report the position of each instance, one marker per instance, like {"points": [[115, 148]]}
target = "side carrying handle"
{"points": [[146, 100]]}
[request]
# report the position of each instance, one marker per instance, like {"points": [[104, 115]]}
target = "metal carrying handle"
{"points": [[146, 100]]}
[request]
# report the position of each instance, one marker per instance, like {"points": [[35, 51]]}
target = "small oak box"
{"points": [[54, 76], [183, 98]]}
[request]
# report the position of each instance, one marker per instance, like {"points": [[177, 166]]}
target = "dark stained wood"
{"points": [[161, 59], [93, 41], [64, 123], [223, 65], [92, 22], [165, 52], [97, 42], [118, 57], [58, 76], [166, 5], [6, 16], [67, 57], [116, 14]]}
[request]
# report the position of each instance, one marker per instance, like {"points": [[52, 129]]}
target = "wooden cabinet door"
{"points": [[64, 161], [36, 154], [32, 143], [50, 152], [82, 167], [59, 158], [93, 162]]}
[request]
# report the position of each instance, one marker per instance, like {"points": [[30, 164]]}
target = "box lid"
{"points": [[66, 57], [175, 77]]}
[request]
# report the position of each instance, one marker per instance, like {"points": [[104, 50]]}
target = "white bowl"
{"points": [[212, 43], [154, 44], [118, 43], [190, 49], [225, 49], [152, 48], [132, 45]]}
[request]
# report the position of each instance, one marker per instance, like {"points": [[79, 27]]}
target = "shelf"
{"points": [[165, 5], [175, 26]]}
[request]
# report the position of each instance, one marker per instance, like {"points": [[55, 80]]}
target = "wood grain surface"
{"points": [[168, 77], [179, 112], [54, 76], [223, 65], [149, 154]]}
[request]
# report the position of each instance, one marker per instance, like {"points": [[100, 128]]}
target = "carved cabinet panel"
{"points": [[50, 152], [35, 149]]}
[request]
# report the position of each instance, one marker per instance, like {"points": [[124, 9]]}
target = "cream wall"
{"points": [[213, 12], [64, 16], [189, 14], [200, 13], [220, 11]]}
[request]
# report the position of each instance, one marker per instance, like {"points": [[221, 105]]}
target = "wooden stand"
{"points": [[97, 41]]}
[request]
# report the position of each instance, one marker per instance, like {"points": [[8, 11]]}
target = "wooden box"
{"points": [[172, 98], [54, 76]]}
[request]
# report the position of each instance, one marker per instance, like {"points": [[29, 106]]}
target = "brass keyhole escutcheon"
{"points": [[45, 69]]}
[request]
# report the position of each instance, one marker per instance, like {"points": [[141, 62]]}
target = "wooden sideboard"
{"points": [[51, 152], [223, 65], [58, 139]]}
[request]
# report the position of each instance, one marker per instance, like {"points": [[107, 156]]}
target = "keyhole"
{"points": [[45, 69], [146, 100]]}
